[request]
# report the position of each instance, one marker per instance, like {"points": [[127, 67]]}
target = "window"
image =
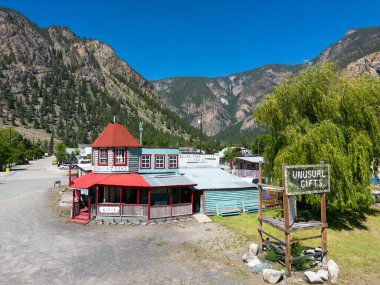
{"points": [[120, 156], [145, 161], [159, 161], [103, 156], [173, 161]]}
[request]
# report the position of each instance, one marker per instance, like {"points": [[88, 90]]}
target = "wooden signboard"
{"points": [[307, 179]]}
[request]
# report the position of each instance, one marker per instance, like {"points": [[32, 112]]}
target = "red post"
{"points": [[121, 200], [148, 204], [171, 203], [89, 203], [97, 199], [73, 207]]}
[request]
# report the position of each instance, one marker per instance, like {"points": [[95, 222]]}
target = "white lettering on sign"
{"points": [[307, 175], [109, 210], [110, 168]]}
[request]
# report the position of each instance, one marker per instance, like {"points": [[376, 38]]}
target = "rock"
{"points": [[313, 278], [252, 262], [245, 257], [333, 269], [189, 219], [152, 223], [310, 251], [167, 222], [258, 268], [144, 223], [318, 249], [272, 276], [253, 248], [175, 221], [122, 223], [324, 274]]}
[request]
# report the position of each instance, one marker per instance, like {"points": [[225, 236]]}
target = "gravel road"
{"points": [[38, 248]]}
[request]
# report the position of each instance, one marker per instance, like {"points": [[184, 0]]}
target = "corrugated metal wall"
{"points": [[215, 196], [133, 159]]}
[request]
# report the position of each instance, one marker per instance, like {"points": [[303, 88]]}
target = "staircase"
{"points": [[81, 219]]}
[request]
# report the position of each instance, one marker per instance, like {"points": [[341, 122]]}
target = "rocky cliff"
{"points": [[228, 102], [53, 80]]}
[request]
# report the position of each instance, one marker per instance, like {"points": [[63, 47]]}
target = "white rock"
{"points": [[333, 269], [310, 251], [245, 257], [253, 248], [313, 278], [272, 276], [324, 274], [318, 249], [252, 262]]}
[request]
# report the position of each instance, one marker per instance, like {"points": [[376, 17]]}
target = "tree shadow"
{"points": [[341, 221]]}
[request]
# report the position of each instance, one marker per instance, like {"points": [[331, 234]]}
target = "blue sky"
{"points": [[170, 38]]}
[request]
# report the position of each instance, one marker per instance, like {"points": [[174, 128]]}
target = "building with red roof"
{"points": [[130, 182]]}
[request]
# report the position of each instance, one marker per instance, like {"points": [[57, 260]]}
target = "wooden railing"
{"points": [[182, 209], [161, 211], [135, 210], [245, 173]]}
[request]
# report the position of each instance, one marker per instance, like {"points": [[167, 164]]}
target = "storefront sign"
{"points": [[307, 179], [110, 168], [109, 210]]}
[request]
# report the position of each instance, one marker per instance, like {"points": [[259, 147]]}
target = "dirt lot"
{"points": [[37, 247]]}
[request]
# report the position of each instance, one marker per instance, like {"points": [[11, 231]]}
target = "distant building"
{"points": [[246, 166]]}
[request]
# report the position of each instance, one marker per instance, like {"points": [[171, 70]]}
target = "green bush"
{"points": [[271, 255]]}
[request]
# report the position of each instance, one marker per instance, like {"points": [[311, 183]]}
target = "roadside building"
{"points": [[246, 166], [130, 182], [214, 185]]}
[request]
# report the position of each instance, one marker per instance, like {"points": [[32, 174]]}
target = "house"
{"points": [[247, 166], [130, 182], [215, 185]]}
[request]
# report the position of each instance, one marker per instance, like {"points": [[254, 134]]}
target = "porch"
{"points": [[126, 203]]}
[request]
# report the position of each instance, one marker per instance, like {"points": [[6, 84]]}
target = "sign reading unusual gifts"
{"points": [[307, 179]]}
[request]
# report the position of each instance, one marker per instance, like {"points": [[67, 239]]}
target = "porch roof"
{"points": [[91, 179], [167, 180]]}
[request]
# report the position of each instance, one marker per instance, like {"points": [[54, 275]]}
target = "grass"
{"points": [[353, 241]]}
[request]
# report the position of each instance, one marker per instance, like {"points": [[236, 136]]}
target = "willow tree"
{"points": [[322, 115]]}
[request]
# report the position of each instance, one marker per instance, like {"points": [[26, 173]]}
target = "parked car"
{"points": [[64, 166]]}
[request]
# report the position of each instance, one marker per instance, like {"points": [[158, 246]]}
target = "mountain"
{"points": [[70, 87], [227, 102]]}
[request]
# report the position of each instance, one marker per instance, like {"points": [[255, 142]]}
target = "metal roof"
{"points": [[215, 178], [254, 159], [166, 180]]}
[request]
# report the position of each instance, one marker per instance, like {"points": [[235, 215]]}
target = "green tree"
{"points": [[321, 115], [60, 152]]}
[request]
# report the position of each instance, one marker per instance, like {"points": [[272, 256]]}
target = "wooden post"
{"points": [[324, 229], [171, 203], [192, 201], [73, 206], [121, 201], [89, 203], [97, 199], [260, 210], [285, 202], [148, 205]]}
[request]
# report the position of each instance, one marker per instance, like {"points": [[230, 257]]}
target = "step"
{"points": [[78, 221], [82, 217]]}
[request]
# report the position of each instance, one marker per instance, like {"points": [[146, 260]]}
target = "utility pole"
{"points": [[200, 122], [141, 124]]}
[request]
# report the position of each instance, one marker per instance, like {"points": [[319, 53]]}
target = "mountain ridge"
{"points": [[355, 44]]}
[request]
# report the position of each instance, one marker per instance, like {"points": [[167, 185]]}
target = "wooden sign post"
{"points": [[296, 180]]}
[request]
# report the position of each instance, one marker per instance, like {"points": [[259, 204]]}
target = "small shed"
{"points": [[215, 185]]}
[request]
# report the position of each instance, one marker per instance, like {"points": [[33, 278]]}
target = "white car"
{"points": [[64, 166]]}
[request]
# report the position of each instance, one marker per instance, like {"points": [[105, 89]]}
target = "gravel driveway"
{"points": [[38, 248]]}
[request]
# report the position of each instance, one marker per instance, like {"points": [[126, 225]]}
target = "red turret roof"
{"points": [[115, 135]]}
